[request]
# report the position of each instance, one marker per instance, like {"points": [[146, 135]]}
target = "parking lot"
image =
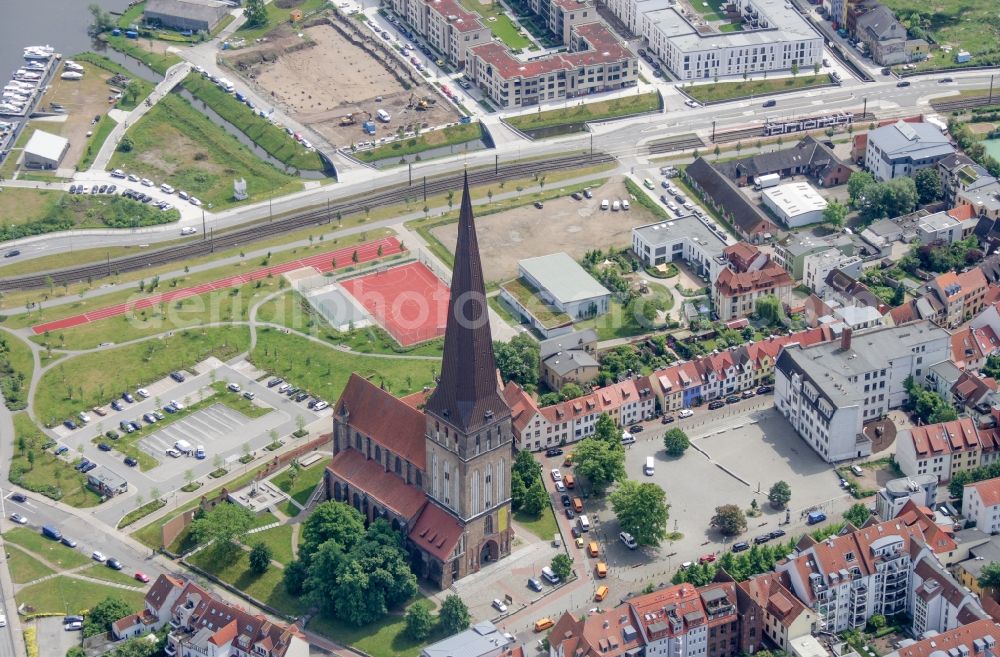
{"points": [[208, 427], [734, 451]]}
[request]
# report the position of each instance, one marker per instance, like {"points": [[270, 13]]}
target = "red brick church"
{"points": [[441, 475]]}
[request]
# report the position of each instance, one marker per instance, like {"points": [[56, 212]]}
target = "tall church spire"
{"points": [[468, 394]]}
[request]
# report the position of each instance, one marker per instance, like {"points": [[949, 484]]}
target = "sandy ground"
{"points": [[83, 100], [563, 225], [320, 84]]}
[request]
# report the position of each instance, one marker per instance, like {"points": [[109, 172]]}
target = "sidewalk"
{"points": [[174, 75]]}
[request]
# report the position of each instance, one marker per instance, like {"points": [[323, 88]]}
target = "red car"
{"points": [[144, 578], [706, 558]]}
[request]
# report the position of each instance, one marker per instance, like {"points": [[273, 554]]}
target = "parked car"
{"points": [[69, 424], [570, 514], [18, 518], [777, 533], [142, 392], [707, 558], [628, 540], [534, 585], [556, 475], [131, 462], [499, 606], [68, 542], [98, 556], [104, 447], [667, 419], [149, 417], [635, 428], [685, 413], [117, 405], [718, 403], [18, 497], [320, 406], [75, 626], [747, 394], [566, 501], [88, 468], [763, 538], [275, 382], [100, 412], [62, 449], [142, 577], [553, 451], [114, 564], [763, 390], [127, 396], [741, 546], [177, 376]]}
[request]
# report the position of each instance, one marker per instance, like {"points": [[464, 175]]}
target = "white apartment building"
{"points": [[817, 266], [981, 504], [829, 390], [686, 238], [902, 149], [773, 38]]}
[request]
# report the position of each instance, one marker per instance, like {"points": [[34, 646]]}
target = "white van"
{"points": [[383, 116], [183, 446], [650, 467], [550, 575], [584, 522], [627, 438]]}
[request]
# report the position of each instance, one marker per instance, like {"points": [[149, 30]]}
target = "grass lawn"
{"points": [[304, 484], [267, 588], [501, 26], [527, 296], [238, 402], [618, 322], [292, 310], [100, 571], [324, 372], [28, 212], [386, 638], [49, 475], [583, 112], [274, 140], [966, 25], [54, 552], [17, 367], [95, 141], [66, 595], [450, 136], [23, 567], [277, 15], [94, 378], [719, 91], [710, 10], [175, 143], [10, 162], [279, 539], [544, 526], [135, 515]]}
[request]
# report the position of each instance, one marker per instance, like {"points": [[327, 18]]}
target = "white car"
{"points": [[194, 201], [19, 519], [117, 173], [686, 412], [616, 206], [166, 189], [3, 620], [234, 387], [692, 103], [628, 540], [75, 626], [189, 230], [142, 392], [176, 404], [98, 556], [556, 475], [133, 178], [84, 417], [183, 195], [625, 205], [146, 182], [173, 453], [605, 204], [560, 487], [499, 606], [320, 406]]}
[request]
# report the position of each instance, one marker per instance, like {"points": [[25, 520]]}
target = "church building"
{"points": [[440, 474]]}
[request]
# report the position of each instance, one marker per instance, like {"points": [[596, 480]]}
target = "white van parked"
{"points": [[584, 523], [383, 116], [650, 467], [550, 575]]}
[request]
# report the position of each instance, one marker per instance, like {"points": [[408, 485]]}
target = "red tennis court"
{"points": [[322, 262], [409, 301]]}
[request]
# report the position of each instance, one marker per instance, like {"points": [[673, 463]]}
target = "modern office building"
{"points": [[686, 238], [902, 149]]}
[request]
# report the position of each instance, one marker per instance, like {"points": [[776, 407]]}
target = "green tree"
{"points": [[600, 462], [136, 647], [795, 69], [606, 430], [989, 576], [517, 360], [102, 21], [729, 519], [675, 442], [126, 144], [103, 614], [642, 511], [857, 515], [928, 184], [835, 213], [562, 566], [769, 308], [334, 521], [857, 183], [779, 495], [76, 651], [877, 622], [260, 558], [256, 13], [419, 621], [929, 406], [454, 616], [223, 526], [535, 498]]}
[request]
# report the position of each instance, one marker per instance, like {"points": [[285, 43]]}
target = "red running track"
{"points": [[409, 301], [322, 262]]}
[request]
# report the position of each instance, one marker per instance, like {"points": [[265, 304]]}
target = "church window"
{"points": [[399, 466], [378, 454], [357, 441], [477, 444]]}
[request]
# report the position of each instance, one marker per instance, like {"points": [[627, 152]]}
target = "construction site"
{"points": [[335, 76]]}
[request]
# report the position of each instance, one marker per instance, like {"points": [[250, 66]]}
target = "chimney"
{"points": [[845, 339]]}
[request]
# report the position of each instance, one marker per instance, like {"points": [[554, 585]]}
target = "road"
{"points": [[626, 139], [10, 636]]}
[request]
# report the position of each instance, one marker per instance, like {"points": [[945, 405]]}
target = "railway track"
{"points": [[964, 103], [247, 235], [681, 143]]}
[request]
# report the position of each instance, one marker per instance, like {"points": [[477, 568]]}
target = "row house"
{"points": [[975, 639], [962, 296], [770, 614], [202, 625], [972, 345], [676, 621], [944, 449], [981, 504], [535, 428], [446, 25]]}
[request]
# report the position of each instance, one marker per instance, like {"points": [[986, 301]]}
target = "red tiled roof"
{"points": [[937, 539], [731, 283], [161, 589], [225, 634], [904, 313], [522, 406], [945, 641], [385, 419], [436, 532], [588, 637], [464, 21], [944, 437], [740, 254], [768, 592], [387, 488], [416, 400], [989, 491], [963, 212], [964, 283]]}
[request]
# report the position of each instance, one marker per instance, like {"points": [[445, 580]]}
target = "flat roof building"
{"points": [[481, 640], [194, 15], [565, 284], [795, 204], [44, 150], [903, 148], [772, 38], [687, 238]]}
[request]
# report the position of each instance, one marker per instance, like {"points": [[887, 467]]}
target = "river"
{"points": [[61, 24]]}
